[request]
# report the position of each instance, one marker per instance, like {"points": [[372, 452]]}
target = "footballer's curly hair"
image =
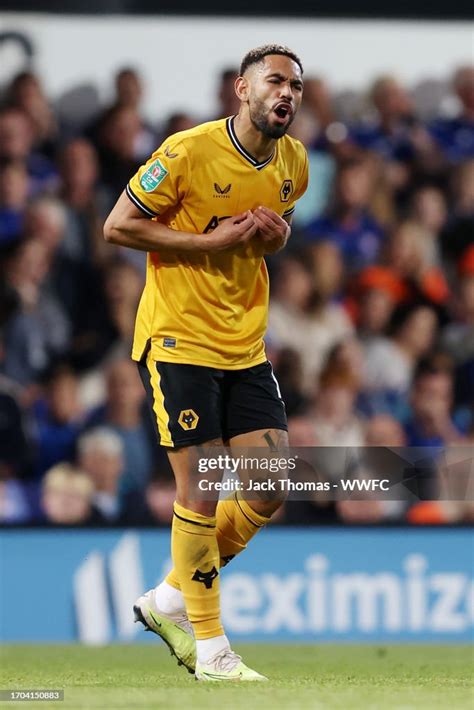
{"points": [[256, 55]]}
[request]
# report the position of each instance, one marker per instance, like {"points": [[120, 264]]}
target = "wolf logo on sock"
{"points": [[206, 578]]}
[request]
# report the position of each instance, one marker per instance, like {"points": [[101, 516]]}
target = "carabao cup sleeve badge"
{"points": [[153, 175]]}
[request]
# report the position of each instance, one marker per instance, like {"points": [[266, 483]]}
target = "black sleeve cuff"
{"points": [[138, 203]]}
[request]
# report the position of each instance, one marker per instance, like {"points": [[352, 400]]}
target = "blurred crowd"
{"points": [[371, 324]]}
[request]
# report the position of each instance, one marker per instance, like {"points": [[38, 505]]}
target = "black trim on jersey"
{"points": [[240, 148], [288, 212], [193, 522], [138, 203]]}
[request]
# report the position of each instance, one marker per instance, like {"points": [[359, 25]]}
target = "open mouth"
{"points": [[283, 111]]}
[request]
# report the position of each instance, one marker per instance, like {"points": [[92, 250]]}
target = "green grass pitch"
{"points": [[322, 676]]}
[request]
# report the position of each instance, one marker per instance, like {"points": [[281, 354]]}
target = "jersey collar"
{"points": [[240, 148]]}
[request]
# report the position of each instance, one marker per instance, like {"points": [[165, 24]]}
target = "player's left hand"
{"points": [[272, 229]]}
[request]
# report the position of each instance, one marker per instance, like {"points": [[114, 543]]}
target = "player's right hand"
{"points": [[231, 232]]}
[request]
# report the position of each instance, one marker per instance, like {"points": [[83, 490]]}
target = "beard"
{"points": [[260, 117]]}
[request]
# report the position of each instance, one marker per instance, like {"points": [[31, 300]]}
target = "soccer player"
{"points": [[207, 207]]}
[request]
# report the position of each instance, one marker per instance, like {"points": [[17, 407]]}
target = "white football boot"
{"points": [[226, 666], [175, 629]]}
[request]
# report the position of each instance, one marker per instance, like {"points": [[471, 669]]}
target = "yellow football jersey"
{"points": [[210, 309]]}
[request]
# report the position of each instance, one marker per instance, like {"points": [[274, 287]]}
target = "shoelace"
{"points": [[225, 660], [183, 621]]}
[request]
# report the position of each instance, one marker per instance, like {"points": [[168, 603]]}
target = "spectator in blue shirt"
{"points": [[349, 223], [16, 143], [13, 199], [58, 419], [430, 422], [124, 414], [455, 136], [389, 133]]}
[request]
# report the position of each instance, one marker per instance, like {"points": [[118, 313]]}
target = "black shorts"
{"points": [[191, 404]]}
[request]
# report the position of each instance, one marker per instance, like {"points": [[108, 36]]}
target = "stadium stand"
{"points": [[371, 329]]}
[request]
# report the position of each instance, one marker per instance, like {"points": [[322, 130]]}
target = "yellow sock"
{"points": [[236, 524], [195, 556]]}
